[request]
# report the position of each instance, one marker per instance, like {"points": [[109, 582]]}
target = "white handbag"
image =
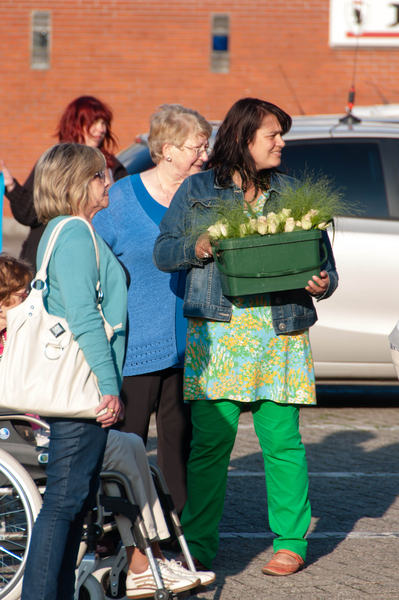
{"points": [[43, 370]]}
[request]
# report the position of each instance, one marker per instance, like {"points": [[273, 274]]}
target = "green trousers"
{"points": [[214, 432]]}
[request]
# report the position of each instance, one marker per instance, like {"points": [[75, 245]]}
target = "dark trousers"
{"points": [[162, 392]]}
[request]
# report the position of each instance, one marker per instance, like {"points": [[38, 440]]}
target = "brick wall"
{"points": [[138, 54]]}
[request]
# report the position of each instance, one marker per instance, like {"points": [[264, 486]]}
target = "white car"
{"points": [[350, 340]]}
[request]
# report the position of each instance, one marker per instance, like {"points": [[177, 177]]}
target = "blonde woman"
{"points": [[153, 374], [70, 179]]}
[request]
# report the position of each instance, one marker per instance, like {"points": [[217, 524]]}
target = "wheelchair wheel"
{"points": [[103, 575], [20, 504], [91, 590]]}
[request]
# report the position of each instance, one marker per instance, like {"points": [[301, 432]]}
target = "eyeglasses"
{"points": [[199, 151], [101, 175]]}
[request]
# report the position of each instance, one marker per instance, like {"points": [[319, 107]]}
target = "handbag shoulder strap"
{"points": [[42, 273]]}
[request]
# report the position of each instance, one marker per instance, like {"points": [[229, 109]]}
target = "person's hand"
{"points": [[115, 410], [8, 178], [203, 248], [319, 285]]}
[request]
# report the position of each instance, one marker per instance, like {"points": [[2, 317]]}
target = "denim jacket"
{"points": [[292, 310]]}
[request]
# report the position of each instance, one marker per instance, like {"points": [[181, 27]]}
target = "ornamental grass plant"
{"points": [[311, 202]]}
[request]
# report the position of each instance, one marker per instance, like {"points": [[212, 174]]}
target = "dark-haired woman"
{"points": [[250, 350], [85, 120]]}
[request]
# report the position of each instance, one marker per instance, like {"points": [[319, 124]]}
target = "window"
{"points": [[220, 59], [353, 164], [40, 40]]}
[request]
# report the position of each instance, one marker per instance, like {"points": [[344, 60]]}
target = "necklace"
{"points": [[159, 181]]}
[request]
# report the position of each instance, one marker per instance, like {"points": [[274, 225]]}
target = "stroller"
{"points": [[22, 482]]}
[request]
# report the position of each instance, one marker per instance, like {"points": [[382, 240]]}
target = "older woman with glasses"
{"points": [[153, 375]]}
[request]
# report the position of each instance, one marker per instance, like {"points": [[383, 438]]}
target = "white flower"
{"points": [[286, 212], [322, 225], [243, 230], [262, 219], [272, 227], [313, 212], [262, 228], [252, 225], [217, 231], [298, 224], [214, 232], [306, 223], [289, 224]]}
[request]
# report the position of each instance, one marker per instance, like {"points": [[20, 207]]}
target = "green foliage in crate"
{"points": [[311, 203]]}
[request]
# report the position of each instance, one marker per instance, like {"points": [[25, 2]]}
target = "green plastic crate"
{"points": [[269, 263]]}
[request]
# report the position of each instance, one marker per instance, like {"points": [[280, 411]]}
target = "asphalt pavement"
{"points": [[354, 535]]}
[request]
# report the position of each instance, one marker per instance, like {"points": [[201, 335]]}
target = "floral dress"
{"points": [[244, 360]]}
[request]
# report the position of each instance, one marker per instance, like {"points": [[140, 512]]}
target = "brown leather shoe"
{"points": [[274, 567]]}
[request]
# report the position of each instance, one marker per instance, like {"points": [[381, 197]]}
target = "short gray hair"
{"points": [[173, 124], [62, 177]]}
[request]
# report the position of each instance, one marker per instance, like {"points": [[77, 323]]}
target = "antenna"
{"points": [[350, 119]]}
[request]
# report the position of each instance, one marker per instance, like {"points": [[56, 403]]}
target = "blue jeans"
{"points": [[75, 458]]}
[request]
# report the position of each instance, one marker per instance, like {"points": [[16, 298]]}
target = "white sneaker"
{"points": [[142, 585], [206, 577]]}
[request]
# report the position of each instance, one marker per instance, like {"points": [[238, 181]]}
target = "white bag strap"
{"points": [[42, 273]]}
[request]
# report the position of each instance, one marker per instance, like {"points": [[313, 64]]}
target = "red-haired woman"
{"points": [[87, 121]]}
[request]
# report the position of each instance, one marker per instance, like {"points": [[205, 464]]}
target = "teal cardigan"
{"points": [[71, 280]]}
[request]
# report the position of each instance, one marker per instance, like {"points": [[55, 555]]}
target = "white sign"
{"points": [[366, 22]]}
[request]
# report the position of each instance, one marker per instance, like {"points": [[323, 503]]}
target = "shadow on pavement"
{"points": [[338, 502]]}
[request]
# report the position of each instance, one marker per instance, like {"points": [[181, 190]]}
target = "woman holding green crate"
{"points": [[243, 350]]}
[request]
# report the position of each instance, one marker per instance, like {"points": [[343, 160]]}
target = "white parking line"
{"points": [[332, 474], [379, 428], [334, 426], [322, 535], [339, 427]]}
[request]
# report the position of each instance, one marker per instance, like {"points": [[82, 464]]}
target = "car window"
{"points": [[136, 159], [354, 165]]}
